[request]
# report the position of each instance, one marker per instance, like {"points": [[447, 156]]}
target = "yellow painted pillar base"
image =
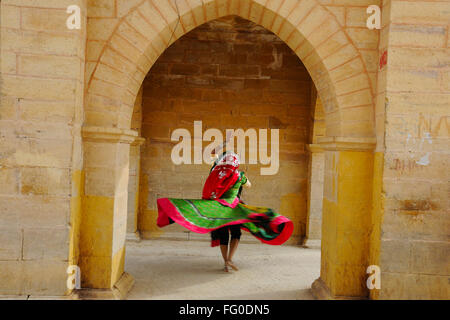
{"points": [[346, 218], [104, 206], [119, 291]]}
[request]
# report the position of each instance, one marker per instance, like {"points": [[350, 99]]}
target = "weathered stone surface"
{"points": [[242, 95], [45, 243], [392, 84], [54, 283], [12, 275], [10, 244]]}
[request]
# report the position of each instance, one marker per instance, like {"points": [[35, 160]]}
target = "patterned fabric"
{"points": [[234, 191], [222, 176], [203, 216], [222, 207]]}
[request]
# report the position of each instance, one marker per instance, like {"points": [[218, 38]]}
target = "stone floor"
{"points": [[168, 269]]}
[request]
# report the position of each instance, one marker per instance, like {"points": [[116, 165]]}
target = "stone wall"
{"points": [[55, 80], [315, 172], [42, 87], [230, 74], [415, 244], [134, 173]]}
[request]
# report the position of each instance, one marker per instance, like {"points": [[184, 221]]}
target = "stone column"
{"points": [[104, 205], [346, 218], [133, 189], [41, 111], [315, 196]]}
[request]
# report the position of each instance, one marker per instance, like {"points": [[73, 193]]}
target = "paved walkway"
{"points": [[167, 269]]}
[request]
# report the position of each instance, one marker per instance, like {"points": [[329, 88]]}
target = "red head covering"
{"points": [[222, 177]]}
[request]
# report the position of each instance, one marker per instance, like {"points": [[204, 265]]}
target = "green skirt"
{"points": [[203, 216]]}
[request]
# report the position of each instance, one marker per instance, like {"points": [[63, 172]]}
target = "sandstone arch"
{"points": [[308, 28], [338, 71]]}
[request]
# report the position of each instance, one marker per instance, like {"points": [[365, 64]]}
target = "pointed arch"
{"points": [[309, 29]]}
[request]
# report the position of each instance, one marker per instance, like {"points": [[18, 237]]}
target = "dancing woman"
{"points": [[222, 235], [221, 211]]}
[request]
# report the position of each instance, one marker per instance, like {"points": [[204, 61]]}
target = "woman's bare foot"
{"points": [[225, 268], [232, 265]]}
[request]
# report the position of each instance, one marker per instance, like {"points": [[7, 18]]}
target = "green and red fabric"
{"points": [[206, 215], [222, 176]]}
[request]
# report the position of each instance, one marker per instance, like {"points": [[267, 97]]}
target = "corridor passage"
{"points": [[170, 269]]}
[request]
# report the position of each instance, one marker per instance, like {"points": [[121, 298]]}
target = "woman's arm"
{"points": [[247, 184]]}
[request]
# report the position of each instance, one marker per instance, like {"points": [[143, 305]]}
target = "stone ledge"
{"points": [[13, 297], [123, 286], [133, 236], [105, 134], [312, 243], [138, 141], [347, 144], [314, 148], [118, 292], [320, 291], [71, 296]]}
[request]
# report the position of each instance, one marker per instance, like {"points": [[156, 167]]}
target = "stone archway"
{"points": [[338, 71], [306, 27]]}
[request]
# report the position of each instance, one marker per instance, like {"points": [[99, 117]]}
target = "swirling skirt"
{"points": [[203, 216]]}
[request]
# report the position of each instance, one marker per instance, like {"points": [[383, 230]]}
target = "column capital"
{"points": [[314, 148], [111, 135], [347, 143], [138, 141]]}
